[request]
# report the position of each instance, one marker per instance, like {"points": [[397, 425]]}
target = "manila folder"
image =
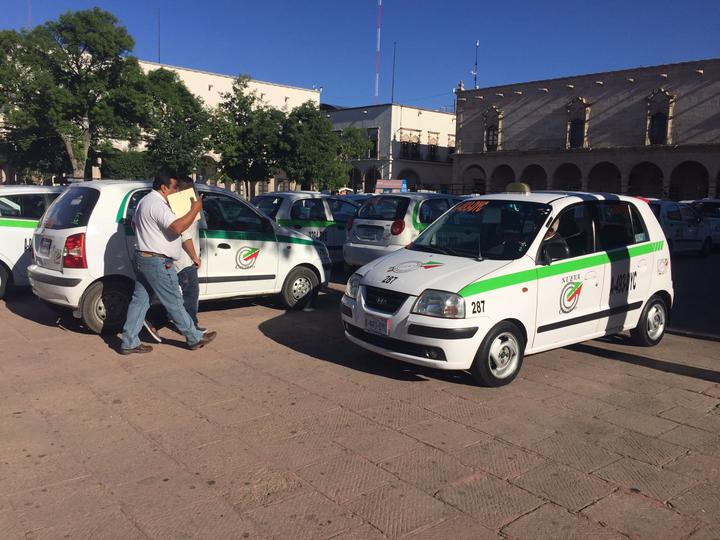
{"points": [[181, 201]]}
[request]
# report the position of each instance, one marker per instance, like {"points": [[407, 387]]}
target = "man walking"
{"points": [[158, 232]]}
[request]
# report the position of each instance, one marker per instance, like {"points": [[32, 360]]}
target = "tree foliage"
{"points": [[177, 127], [128, 165], [248, 135], [72, 79]]}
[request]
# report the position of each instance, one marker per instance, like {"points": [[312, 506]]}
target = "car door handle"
{"points": [[297, 226], [223, 246]]}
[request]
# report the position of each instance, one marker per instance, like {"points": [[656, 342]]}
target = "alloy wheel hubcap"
{"points": [[504, 355], [656, 322]]}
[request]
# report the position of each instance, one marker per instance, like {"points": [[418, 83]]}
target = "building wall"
{"points": [[534, 126], [397, 123]]}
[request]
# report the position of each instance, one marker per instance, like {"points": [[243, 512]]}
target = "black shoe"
{"points": [[140, 349], [152, 331], [207, 338]]}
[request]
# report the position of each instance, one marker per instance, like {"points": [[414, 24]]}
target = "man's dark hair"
{"points": [[162, 180], [185, 182]]}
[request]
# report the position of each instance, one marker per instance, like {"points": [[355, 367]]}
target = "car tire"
{"points": [[104, 306], [500, 356], [300, 288], [4, 281], [652, 324], [706, 247]]}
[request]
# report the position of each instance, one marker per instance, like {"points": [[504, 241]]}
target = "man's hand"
{"points": [[196, 205], [196, 261]]}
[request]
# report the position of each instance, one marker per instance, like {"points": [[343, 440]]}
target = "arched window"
{"points": [[492, 118], [578, 112], [659, 117]]}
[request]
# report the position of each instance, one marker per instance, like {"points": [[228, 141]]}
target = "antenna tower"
{"points": [[377, 52]]}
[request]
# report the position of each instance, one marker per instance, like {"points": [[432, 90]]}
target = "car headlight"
{"points": [[353, 286], [440, 304]]}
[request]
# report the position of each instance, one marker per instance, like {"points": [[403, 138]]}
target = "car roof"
{"points": [[127, 185], [548, 197], [29, 188], [414, 195]]}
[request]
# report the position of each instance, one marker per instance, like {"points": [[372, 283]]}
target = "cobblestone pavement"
{"points": [[282, 429]]}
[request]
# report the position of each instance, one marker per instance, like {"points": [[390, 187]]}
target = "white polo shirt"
{"points": [[152, 221], [192, 233]]}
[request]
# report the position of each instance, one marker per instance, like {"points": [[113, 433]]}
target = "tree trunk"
{"points": [[78, 163]]}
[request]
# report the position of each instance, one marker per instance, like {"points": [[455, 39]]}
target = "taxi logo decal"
{"points": [[410, 266], [246, 257], [570, 296]]}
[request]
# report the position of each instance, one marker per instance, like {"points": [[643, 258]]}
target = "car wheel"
{"points": [[500, 356], [652, 324], [4, 280], [706, 247], [300, 287], [104, 306]]}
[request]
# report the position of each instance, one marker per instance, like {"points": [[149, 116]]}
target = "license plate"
{"points": [[377, 325], [45, 244]]}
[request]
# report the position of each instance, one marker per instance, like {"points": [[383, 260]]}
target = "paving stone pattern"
{"points": [[282, 429]]}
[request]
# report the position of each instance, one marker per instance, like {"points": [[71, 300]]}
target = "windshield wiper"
{"points": [[429, 249]]}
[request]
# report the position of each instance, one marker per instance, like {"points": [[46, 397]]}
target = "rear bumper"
{"points": [[361, 254], [56, 288]]}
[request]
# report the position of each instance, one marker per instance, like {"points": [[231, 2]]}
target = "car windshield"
{"points": [[268, 205], [71, 209], [384, 207], [499, 230], [708, 209]]}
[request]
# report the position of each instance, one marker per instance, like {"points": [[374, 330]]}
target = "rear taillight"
{"points": [[398, 226], [74, 252], [349, 224]]}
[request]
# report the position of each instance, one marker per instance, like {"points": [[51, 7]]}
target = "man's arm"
{"points": [[180, 225], [189, 248]]}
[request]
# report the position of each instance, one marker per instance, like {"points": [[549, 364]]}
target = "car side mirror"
{"points": [[553, 251]]}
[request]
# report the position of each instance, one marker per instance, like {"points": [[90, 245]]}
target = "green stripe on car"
{"points": [[542, 272], [307, 223], [19, 223], [418, 226]]}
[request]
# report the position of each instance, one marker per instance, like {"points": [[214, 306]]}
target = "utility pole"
{"points": [[475, 70], [392, 91], [29, 5], [158, 34], [377, 51]]}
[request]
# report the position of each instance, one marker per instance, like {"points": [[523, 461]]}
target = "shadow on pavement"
{"points": [[319, 334], [652, 363]]}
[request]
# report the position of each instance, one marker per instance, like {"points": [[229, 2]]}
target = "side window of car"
{"points": [[673, 213], [688, 215], [308, 210], [133, 204], [342, 211], [572, 232], [25, 206], [223, 213], [432, 209], [639, 230], [615, 225]]}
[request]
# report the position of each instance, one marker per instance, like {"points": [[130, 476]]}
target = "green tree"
{"points": [[312, 150], [353, 145], [247, 135], [73, 77], [178, 126]]}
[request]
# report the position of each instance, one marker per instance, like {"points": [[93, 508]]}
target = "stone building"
{"points": [[409, 143], [652, 131]]}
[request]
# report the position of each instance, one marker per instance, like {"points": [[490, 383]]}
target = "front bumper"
{"points": [[361, 254], [449, 344]]}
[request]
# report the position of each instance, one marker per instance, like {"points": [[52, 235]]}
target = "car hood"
{"points": [[415, 271]]}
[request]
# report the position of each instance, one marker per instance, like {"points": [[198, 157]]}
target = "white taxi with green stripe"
{"points": [[388, 222], [84, 246], [320, 216], [21, 206], [502, 276]]}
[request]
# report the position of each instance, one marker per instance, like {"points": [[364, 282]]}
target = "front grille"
{"points": [[384, 300], [396, 345]]}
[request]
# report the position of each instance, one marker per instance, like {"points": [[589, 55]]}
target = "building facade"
{"points": [[407, 143], [651, 131]]}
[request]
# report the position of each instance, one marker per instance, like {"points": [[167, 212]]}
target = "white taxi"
{"points": [[502, 276], [388, 222], [21, 207], [83, 249], [684, 229], [709, 211], [320, 216]]}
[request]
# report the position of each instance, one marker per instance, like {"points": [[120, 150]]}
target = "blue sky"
{"points": [[332, 43]]}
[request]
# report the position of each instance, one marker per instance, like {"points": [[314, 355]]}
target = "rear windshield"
{"points": [[384, 207], [71, 209], [708, 209], [268, 205], [655, 210]]}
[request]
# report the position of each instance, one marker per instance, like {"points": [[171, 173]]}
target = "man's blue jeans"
{"points": [[188, 278], [156, 275]]}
